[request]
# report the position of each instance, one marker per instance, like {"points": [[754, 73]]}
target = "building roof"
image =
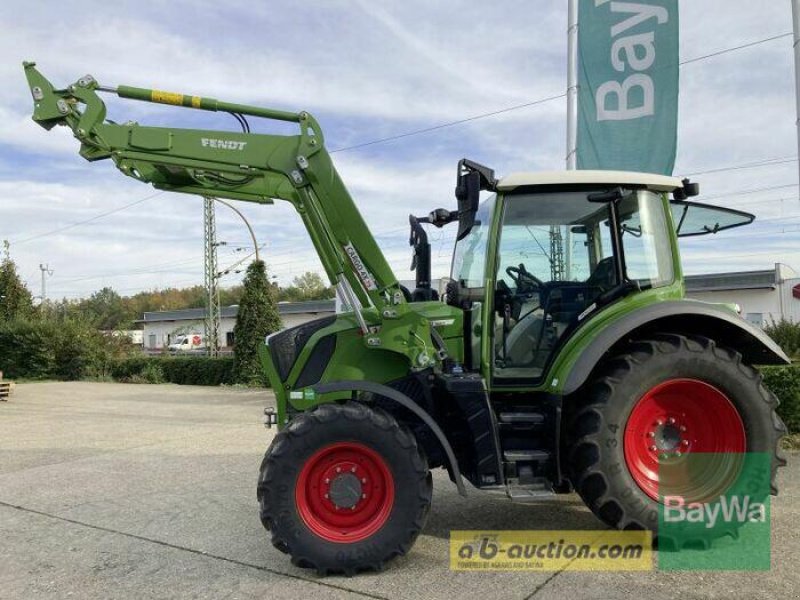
{"points": [[742, 280], [198, 314], [660, 183]]}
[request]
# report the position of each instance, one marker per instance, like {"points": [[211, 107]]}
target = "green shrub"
{"points": [[786, 334], [784, 382], [46, 349], [183, 370], [152, 373]]}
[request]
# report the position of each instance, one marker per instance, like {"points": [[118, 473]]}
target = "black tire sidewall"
{"points": [[718, 367], [401, 456]]}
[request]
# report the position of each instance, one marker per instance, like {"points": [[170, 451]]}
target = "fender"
{"points": [[679, 316], [405, 402]]}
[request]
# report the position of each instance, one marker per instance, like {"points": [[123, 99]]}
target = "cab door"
{"points": [[554, 256]]}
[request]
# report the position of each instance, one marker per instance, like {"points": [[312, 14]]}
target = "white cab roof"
{"points": [[660, 183]]}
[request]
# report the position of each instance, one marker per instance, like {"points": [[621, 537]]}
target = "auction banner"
{"points": [[628, 85]]}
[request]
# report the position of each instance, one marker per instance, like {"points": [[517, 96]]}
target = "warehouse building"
{"points": [[162, 328], [763, 297]]}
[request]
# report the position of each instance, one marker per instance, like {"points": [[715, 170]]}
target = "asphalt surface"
{"points": [[126, 491]]}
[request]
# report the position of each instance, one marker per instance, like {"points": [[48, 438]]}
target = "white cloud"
{"points": [[368, 70]]}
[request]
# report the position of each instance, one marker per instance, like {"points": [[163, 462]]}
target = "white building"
{"points": [[763, 296], [162, 328]]}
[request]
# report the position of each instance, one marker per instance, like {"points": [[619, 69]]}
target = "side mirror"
{"points": [[471, 178], [467, 193], [688, 190]]}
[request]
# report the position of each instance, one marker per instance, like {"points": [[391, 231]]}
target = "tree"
{"points": [[257, 317], [310, 285], [15, 299], [107, 310]]}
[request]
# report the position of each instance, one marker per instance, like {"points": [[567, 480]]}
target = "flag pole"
{"points": [[561, 250], [796, 22], [572, 83]]}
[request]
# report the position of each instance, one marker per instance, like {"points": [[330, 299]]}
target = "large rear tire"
{"points": [[343, 489], [661, 402]]}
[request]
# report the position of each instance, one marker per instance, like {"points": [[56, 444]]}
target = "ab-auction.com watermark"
{"points": [[551, 550], [713, 513]]}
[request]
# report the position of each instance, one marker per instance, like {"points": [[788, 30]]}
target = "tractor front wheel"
{"points": [[343, 489], [669, 416]]}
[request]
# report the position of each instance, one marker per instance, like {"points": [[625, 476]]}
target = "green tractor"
{"points": [[563, 355]]}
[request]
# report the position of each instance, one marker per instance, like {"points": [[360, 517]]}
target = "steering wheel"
{"points": [[526, 282]]}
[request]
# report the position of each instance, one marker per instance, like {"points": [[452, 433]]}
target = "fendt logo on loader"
{"points": [[222, 144]]}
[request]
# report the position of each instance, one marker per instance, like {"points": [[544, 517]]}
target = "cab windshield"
{"points": [[557, 255]]}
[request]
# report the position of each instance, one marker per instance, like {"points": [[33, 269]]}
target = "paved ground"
{"points": [[125, 491]]}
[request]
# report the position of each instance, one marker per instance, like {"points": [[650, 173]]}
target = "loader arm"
{"points": [[239, 166]]}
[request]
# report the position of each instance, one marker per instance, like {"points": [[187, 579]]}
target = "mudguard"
{"points": [[686, 317], [405, 402]]}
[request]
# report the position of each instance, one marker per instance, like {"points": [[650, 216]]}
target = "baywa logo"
{"points": [[714, 511], [735, 510]]}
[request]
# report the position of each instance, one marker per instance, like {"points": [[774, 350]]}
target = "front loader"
{"points": [[563, 355]]}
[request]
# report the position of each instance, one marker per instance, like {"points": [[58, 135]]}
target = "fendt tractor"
{"points": [[563, 355]]}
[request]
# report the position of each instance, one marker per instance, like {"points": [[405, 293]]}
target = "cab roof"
{"points": [[659, 183]]}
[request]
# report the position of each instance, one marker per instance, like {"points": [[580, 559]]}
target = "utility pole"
{"points": [[212, 324], [46, 272], [796, 40]]}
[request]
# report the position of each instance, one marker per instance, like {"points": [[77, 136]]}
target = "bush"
{"points": [[786, 334], [784, 382], [45, 349], [184, 370]]}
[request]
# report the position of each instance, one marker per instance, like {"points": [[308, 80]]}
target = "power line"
{"points": [[755, 191], [544, 100], [767, 162], [436, 128], [449, 124], [735, 48], [85, 221]]}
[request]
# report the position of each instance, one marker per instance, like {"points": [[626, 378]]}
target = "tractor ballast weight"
{"points": [[563, 346]]}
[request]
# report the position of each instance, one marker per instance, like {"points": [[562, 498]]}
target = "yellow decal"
{"points": [[196, 101], [551, 551], [166, 97]]}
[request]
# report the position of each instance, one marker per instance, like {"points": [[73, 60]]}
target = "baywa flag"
{"points": [[628, 85]]}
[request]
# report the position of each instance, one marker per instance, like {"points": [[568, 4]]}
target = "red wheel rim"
{"points": [[345, 492], [670, 422]]}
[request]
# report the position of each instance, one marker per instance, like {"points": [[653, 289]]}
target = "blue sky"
{"points": [[367, 70]]}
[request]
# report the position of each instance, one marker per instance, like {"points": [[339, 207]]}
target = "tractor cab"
{"points": [[546, 252]]}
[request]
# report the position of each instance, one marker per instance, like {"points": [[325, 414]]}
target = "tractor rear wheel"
{"points": [[655, 412], [344, 488]]}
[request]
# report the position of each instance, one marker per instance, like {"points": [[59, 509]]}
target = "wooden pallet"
{"points": [[5, 390]]}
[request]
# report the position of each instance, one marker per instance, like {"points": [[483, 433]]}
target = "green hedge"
{"points": [[784, 382], [184, 370], [68, 351], [54, 350]]}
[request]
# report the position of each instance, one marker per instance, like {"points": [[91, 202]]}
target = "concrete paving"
{"points": [[126, 491]]}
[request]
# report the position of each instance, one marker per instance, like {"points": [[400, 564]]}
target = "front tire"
{"points": [[343, 489], [659, 403]]}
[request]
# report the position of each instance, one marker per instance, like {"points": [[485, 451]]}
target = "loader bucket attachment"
{"points": [[49, 108]]}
